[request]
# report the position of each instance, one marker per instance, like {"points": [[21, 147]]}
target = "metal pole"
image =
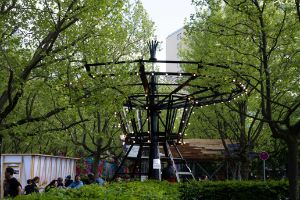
{"points": [[154, 159], [264, 169]]}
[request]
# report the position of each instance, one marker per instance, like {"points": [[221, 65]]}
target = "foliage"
{"points": [[131, 190], [39, 107], [259, 41], [228, 190]]}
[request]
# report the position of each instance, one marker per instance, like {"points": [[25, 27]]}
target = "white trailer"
{"points": [[47, 167]]}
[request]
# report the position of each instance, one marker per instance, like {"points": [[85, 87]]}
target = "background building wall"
{"points": [[173, 43]]}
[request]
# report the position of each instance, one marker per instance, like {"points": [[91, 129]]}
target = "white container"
{"points": [[28, 166]]}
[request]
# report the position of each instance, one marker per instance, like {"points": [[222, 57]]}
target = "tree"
{"points": [[98, 136], [57, 39], [36, 36], [259, 41], [223, 121]]}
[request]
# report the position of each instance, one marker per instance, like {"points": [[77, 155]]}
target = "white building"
{"points": [[173, 43]]}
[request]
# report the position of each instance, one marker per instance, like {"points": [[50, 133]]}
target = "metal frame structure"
{"points": [[155, 113]]}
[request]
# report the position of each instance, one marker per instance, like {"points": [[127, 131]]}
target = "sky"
{"points": [[168, 16]]}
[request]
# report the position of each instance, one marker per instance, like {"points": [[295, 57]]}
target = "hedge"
{"points": [[124, 191], [234, 190], [207, 190]]}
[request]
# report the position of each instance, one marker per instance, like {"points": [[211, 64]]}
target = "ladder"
{"points": [[141, 157], [183, 171]]}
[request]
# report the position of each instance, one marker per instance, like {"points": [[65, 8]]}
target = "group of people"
{"points": [[12, 186]]}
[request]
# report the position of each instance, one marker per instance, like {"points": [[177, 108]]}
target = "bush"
{"points": [[234, 190], [132, 190], [206, 190]]}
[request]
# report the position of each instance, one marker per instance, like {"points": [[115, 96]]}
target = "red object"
{"points": [[263, 155], [172, 180]]}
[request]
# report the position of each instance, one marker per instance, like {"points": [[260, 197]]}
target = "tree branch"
{"points": [[32, 119]]}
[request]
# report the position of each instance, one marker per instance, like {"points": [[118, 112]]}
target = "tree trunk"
{"points": [[245, 169], [96, 164], [293, 167]]}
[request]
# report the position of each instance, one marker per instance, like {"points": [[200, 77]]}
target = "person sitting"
{"points": [[12, 186], [60, 183], [93, 180], [169, 173], [51, 185], [29, 187], [68, 181], [35, 181], [77, 183]]}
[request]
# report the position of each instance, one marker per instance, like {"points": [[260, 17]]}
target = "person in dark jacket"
{"points": [[68, 181], [12, 186], [60, 183], [29, 188], [35, 181], [51, 185], [169, 173]]}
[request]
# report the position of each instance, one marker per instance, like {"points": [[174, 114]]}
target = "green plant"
{"points": [[235, 190], [127, 190]]}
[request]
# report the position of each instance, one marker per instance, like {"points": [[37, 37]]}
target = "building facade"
{"points": [[173, 44]]}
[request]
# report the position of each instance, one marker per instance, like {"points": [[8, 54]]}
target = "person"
{"points": [[60, 183], [51, 185], [169, 173], [12, 186], [29, 187], [68, 181], [77, 183], [93, 180], [35, 181]]}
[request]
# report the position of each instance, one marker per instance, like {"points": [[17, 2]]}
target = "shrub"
{"points": [[234, 190], [206, 190], [132, 190]]}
